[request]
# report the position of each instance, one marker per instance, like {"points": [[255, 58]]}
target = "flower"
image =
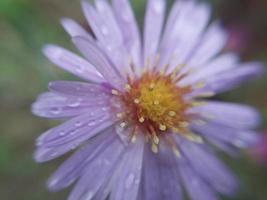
{"points": [[142, 125]]}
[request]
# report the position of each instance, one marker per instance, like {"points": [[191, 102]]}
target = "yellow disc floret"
{"points": [[155, 102]]}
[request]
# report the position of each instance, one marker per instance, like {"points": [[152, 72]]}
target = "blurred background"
{"points": [[26, 25]]}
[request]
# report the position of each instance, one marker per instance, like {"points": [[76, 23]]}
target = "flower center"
{"points": [[155, 103]]}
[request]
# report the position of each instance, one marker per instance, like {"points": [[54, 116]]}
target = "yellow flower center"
{"points": [[155, 103]]}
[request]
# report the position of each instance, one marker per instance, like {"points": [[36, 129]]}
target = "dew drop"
{"points": [[79, 69], [158, 7], [73, 132], [62, 133], [129, 181], [89, 195], [74, 104], [104, 30], [91, 123], [78, 124], [39, 143], [55, 111]]}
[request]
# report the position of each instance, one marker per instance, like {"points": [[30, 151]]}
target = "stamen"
{"points": [[119, 115], [162, 127], [136, 101], [123, 124], [152, 86], [114, 92], [127, 87], [176, 152], [193, 137], [141, 119], [199, 85], [172, 113], [183, 124], [156, 102], [154, 148], [156, 139], [206, 94], [198, 103]]}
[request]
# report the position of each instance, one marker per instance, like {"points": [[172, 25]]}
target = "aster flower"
{"points": [[141, 123]]}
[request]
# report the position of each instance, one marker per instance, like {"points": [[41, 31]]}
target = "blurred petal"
{"points": [[74, 29], [96, 174], [106, 29], [216, 66], [232, 78], [80, 89], [72, 63], [68, 136], [196, 188], [75, 166], [229, 114], [211, 44], [151, 176], [169, 178], [184, 27], [99, 60], [153, 26], [235, 137], [209, 167], [129, 29], [126, 185]]}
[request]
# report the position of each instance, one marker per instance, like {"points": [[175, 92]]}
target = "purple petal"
{"points": [[153, 26], [169, 177], [194, 185], [75, 166], [186, 32], [129, 29], [209, 167], [212, 43], [151, 176], [68, 136], [97, 173], [80, 89], [229, 114], [232, 78], [236, 137], [218, 65], [56, 106], [103, 23], [74, 29], [126, 185], [72, 63], [92, 52]]}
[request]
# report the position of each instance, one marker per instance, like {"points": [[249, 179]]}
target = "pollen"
{"points": [[155, 104]]}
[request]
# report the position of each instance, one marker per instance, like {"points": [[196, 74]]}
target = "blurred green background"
{"points": [[26, 25]]}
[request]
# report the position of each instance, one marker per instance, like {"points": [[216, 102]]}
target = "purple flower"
{"points": [[141, 125]]}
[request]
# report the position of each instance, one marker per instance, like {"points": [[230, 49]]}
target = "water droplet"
{"points": [[126, 17], [158, 7], [104, 108], [39, 143], [129, 181], [89, 195], [109, 48], [74, 104], [62, 133], [80, 69], [106, 162], [104, 30], [91, 123], [55, 111], [137, 181], [78, 123]]}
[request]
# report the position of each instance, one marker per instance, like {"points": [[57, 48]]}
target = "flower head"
{"points": [[141, 123]]}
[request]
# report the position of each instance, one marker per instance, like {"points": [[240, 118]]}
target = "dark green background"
{"points": [[26, 25]]}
